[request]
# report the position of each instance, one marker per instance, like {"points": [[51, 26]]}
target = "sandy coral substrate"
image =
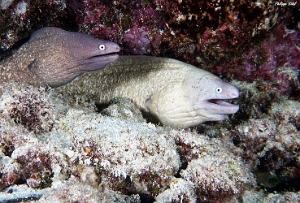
{"points": [[56, 148]]}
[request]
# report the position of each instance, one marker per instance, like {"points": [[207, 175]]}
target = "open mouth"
{"points": [[110, 57], [220, 102], [98, 62], [221, 106], [113, 54]]}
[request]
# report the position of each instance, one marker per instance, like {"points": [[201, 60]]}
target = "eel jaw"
{"points": [[221, 107], [98, 62]]}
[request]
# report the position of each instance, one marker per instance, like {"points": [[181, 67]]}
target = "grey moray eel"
{"points": [[54, 57], [176, 93]]}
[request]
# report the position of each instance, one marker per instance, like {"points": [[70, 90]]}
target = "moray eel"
{"points": [[176, 93], [54, 57]]}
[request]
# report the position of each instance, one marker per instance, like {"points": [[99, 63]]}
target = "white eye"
{"points": [[102, 47], [219, 90]]}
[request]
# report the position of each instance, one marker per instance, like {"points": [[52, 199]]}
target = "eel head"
{"points": [[61, 56], [214, 101], [196, 97]]}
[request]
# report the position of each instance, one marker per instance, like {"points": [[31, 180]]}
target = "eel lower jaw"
{"points": [[222, 107]]}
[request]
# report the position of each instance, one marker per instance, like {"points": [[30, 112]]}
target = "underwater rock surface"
{"points": [[69, 152]]}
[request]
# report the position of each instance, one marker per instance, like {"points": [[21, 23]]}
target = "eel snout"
{"points": [[93, 53], [217, 101]]}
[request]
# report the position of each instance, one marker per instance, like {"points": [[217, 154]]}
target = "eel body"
{"points": [[176, 93], [54, 57]]}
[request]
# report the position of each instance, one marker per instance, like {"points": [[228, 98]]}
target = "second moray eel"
{"points": [[54, 57], [176, 93]]}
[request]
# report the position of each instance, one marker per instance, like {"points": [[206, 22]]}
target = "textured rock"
{"points": [[92, 157], [214, 172], [29, 107]]}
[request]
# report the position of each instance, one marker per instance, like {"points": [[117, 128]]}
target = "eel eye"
{"points": [[219, 90], [102, 47]]}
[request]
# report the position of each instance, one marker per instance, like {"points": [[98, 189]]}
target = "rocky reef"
{"points": [[58, 147], [117, 156]]}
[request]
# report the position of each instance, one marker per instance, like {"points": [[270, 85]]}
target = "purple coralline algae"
{"points": [[92, 14], [203, 27], [276, 59], [136, 38], [208, 29]]}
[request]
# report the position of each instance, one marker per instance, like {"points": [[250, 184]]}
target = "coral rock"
{"points": [[28, 106]]}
